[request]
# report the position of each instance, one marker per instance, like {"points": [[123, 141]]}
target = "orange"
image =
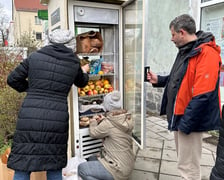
{"points": [[106, 81], [100, 72]]}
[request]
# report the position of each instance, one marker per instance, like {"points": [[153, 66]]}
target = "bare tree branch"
{"points": [[4, 23]]}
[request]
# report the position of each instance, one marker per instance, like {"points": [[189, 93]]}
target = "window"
{"points": [[37, 20], [38, 36], [212, 20]]}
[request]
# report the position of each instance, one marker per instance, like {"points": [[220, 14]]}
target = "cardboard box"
{"points": [[7, 174]]}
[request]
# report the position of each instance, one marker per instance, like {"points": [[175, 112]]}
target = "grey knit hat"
{"points": [[112, 101], [63, 36]]}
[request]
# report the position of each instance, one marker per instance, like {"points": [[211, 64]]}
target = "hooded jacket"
{"points": [[40, 139], [117, 155], [191, 96]]}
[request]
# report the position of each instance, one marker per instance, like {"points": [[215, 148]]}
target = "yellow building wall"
{"points": [[25, 24]]}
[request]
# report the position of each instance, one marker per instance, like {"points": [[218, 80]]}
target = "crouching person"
{"points": [[116, 160]]}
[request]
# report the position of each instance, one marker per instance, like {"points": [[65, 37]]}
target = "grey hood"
{"points": [[122, 120]]}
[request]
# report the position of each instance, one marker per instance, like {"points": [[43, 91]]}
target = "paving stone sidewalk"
{"points": [[158, 161]]}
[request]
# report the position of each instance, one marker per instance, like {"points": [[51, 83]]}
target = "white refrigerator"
{"points": [[122, 66]]}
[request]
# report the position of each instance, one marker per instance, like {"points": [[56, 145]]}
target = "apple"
{"points": [[90, 82], [98, 87], [82, 93], [101, 91], [110, 89], [98, 83], [106, 81], [106, 86], [106, 91], [92, 86], [95, 91], [90, 92], [86, 88]]}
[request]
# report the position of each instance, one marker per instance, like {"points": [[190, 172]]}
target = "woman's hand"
{"points": [[98, 118], [85, 68]]}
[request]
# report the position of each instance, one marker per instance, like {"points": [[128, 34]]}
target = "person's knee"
{"points": [[81, 169]]}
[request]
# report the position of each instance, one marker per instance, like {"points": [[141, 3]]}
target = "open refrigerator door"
{"points": [[134, 65]]}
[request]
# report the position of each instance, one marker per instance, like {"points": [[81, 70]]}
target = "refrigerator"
{"points": [[121, 66]]}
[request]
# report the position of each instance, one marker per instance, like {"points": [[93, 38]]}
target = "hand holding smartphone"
{"points": [[146, 71]]}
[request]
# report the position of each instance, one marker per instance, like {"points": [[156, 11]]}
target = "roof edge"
{"points": [[44, 2]]}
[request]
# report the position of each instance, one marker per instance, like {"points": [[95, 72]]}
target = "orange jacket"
{"points": [[201, 77], [197, 104]]}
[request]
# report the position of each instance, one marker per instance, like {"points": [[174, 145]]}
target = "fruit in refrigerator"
{"points": [[95, 91], [82, 93], [101, 91], [86, 88], [106, 86], [90, 82], [100, 72], [98, 82], [106, 91], [98, 87], [110, 89], [92, 86], [105, 81], [90, 92]]}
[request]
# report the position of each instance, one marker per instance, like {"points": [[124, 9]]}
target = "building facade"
{"points": [[26, 21]]}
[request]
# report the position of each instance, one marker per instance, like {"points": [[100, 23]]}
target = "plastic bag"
{"points": [[70, 172], [95, 66], [89, 42]]}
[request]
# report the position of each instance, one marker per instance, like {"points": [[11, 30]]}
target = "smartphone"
{"points": [[147, 69]]}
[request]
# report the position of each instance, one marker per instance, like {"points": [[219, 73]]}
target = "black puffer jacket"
{"points": [[218, 170], [40, 139]]}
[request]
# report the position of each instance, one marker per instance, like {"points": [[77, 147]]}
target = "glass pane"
{"points": [[132, 63], [212, 20]]}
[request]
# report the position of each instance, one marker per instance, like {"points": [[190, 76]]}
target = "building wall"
{"points": [[25, 23], [161, 50], [57, 8]]}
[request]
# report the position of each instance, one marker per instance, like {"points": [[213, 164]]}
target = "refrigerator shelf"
{"points": [[92, 114], [99, 76], [91, 96]]}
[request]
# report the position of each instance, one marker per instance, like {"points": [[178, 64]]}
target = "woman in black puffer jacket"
{"points": [[218, 170], [40, 139]]}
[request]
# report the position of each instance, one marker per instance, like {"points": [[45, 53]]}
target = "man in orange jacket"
{"points": [[191, 95]]}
